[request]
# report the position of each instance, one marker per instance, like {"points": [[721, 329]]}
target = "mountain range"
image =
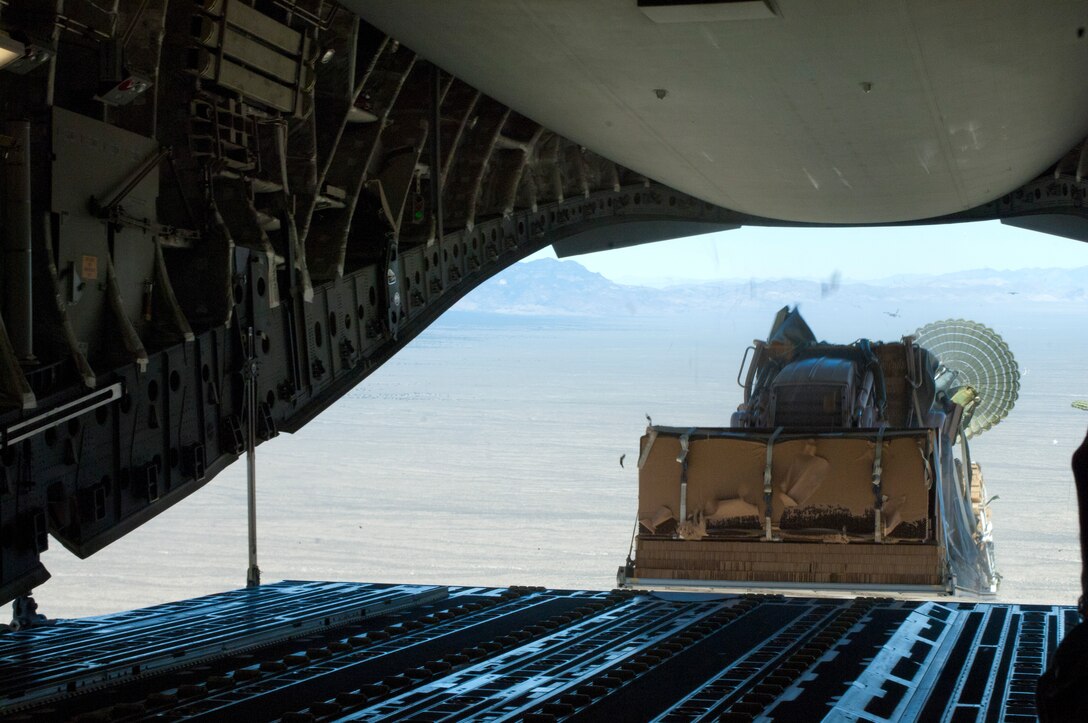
{"points": [[566, 288]]}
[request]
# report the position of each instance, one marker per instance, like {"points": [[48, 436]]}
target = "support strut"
{"points": [[253, 574]]}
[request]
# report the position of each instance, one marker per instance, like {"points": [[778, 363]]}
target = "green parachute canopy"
{"points": [[973, 358]]}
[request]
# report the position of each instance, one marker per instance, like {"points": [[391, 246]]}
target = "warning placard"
{"points": [[89, 269]]}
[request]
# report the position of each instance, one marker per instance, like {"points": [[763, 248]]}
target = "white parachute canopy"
{"points": [[977, 357]]}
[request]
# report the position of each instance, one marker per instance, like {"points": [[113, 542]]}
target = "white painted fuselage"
{"points": [[823, 112]]}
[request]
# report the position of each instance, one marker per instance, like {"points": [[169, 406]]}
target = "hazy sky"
{"points": [[855, 253]]}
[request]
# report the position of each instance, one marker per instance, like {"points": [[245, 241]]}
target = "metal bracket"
{"points": [[266, 425], [111, 209], [25, 615], [151, 482], [234, 440], [195, 461]]}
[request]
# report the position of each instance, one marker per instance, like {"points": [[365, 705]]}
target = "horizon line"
{"points": [[836, 278]]}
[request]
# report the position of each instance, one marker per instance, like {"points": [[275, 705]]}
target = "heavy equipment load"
{"points": [[844, 467]]}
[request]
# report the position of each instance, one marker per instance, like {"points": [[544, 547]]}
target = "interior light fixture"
{"points": [[10, 50]]}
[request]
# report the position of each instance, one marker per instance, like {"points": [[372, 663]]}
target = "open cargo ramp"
{"points": [[322, 651]]}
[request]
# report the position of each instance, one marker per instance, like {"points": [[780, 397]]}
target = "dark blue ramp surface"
{"points": [[349, 651]]}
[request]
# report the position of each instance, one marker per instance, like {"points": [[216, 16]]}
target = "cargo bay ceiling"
{"points": [[219, 216]]}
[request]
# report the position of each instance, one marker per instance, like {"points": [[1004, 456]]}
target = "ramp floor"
{"points": [[320, 651]]}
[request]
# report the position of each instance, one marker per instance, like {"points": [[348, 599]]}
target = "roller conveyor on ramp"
{"points": [[320, 651]]}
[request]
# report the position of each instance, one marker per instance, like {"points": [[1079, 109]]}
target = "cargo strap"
{"points": [[768, 489], [878, 491], [682, 458], [914, 380]]}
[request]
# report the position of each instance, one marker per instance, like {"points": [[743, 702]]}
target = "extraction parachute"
{"points": [[977, 370]]}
